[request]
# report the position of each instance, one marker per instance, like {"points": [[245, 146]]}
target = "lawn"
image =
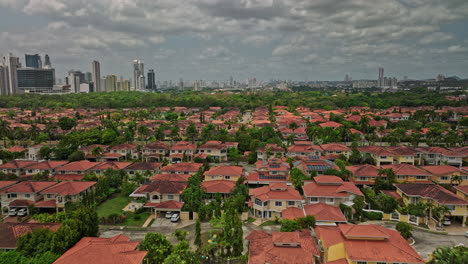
{"points": [[115, 205]]}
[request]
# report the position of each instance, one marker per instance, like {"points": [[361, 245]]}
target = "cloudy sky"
{"points": [[268, 39]]}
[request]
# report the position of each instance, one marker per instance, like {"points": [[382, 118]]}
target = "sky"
{"points": [[267, 39]]}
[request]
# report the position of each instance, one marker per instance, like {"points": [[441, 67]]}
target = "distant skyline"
{"points": [[266, 39]]}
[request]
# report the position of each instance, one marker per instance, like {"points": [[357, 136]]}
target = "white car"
{"points": [[446, 221], [175, 218], [466, 233], [22, 212], [12, 212], [169, 215]]}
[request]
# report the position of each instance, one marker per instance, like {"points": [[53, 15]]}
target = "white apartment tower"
{"points": [[138, 75]]}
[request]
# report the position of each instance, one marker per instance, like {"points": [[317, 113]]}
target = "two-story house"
{"points": [[270, 151], [447, 174], [409, 173], [182, 168], [435, 194], [330, 190], [23, 194], [224, 172], [155, 151], [182, 149], [364, 174], [266, 172], [379, 154], [67, 191], [269, 201], [16, 167], [215, 149], [304, 149], [112, 165], [126, 151], [404, 155], [162, 196], [334, 150], [319, 166], [45, 166], [146, 169], [440, 156], [74, 170]]}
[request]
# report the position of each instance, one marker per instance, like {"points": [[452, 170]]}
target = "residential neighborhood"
{"points": [[212, 185]]}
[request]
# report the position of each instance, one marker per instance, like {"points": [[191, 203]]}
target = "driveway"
{"points": [[163, 222]]}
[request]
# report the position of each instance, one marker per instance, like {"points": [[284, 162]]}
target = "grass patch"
{"points": [[250, 220], [113, 205], [270, 222], [131, 221]]}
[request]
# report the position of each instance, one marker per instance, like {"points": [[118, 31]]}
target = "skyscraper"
{"points": [[88, 77], [111, 83], [151, 80], [33, 61], [74, 81], [96, 76], [35, 80], [4, 80], [138, 75], [380, 81], [47, 63], [12, 63]]}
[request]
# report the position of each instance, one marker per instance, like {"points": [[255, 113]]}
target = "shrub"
{"points": [[137, 217], [404, 229], [373, 215]]}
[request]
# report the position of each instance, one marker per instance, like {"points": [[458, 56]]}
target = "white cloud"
{"points": [[436, 37]]}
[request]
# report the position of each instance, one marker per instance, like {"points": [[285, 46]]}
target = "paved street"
{"points": [[427, 242]]}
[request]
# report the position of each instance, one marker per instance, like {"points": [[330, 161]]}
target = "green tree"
{"points": [[35, 243], [191, 132], [358, 205], [198, 241], [76, 156], [297, 178], [404, 229], [157, 246], [66, 236], [45, 152], [289, 225], [306, 222], [180, 234], [449, 255], [181, 254], [66, 123]]}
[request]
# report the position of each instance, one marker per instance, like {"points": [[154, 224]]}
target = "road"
{"points": [[427, 242]]}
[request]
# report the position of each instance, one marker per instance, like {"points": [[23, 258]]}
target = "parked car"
{"points": [[169, 215], [22, 212], [175, 218], [466, 233], [12, 212], [446, 221]]}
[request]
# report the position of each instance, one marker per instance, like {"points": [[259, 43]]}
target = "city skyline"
{"points": [[212, 40]]}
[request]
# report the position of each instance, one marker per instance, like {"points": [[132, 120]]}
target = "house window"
{"points": [[400, 177], [259, 202], [420, 177], [49, 195], [414, 200], [12, 195], [278, 203], [314, 199], [59, 199], [363, 178], [444, 178], [227, 177], [291, 203], [383, 157], [27, 195], [330, 200], [213, 177], [170, 197], [361, 262], [209, 151], [155, 197], [451, 207]]}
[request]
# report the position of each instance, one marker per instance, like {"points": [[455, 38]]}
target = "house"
{"points": [[230, 173], [214, 149], [223, 187], [440, 156], [269, 151], [91, 152], [182, 149], [117, 249], [33, 152], [12, 231], [182, 168], [126, 151], [67, 191], [44, 166], [171, 177], [23, 194], [155, 151], [112, 165], [297, 247], [74, 170], [404, 155], [435, 194], [324, 214], [144, 168], [335, 150], [364, 174], [409, 173], [462, 191], [304, 149], [319, 166], [273, 170], [330, 190], [359, 244], [269, 201], [447, 174], [379, 154], [162, 195], [16, 167]]}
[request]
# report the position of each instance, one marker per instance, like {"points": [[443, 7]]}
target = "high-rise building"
{"points": [[12, 63], [33, 61], [33, 80], [111, 83], [47, 63], [380, 80], [151, 80], [96, 76], [138, 75], [123, 85], [74, 81], [4, 80], [88, 77]]}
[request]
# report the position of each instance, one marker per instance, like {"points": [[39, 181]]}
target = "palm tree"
{"points": [[456, 178], [390, 176], [97, 151], [441, 211]]}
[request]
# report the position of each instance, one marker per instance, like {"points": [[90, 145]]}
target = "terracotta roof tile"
{"points": [[28, 187], [221, 186], [68, 188], [225, 171], [432, 191]]}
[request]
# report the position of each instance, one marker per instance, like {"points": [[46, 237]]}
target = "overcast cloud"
{"points": [[267, 39]]}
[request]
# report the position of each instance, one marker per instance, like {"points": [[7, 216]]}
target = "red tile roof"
{"points": [[431, 191], [68, 188], [16, 148], [225, 171], [28, 187], [292, 213], [171, 177], [365, 170], [117, 249], [183, 166], [115, 165], [331, 124], [17, 164], [166, 205], [82, 165], [11, 231], [406, 169], [312, 189], [46, 204], [325, 212], [144, 166], [220, 186], [4, 184], [68, 177], [330, 179], [375, 150], [334, 147], [266, 193], [463, 189], [164, 187], [46, 165], [443, 170]]}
